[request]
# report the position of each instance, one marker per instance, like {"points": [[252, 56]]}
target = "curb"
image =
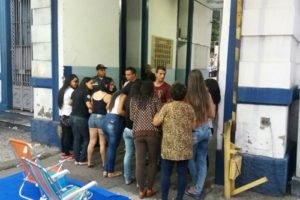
{"points": [[13, 125], [13, 163]]}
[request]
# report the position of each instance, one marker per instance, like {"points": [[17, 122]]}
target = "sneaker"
{"points": [[129, 181], [76, 163], [195, 195], [83, 163]]}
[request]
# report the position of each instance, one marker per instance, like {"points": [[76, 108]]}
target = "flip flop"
{"points": [[114, 174], [151, 192], [105, 174], [142, 195]]}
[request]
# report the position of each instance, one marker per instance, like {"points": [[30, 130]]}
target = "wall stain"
{"points": [[43, 113]]}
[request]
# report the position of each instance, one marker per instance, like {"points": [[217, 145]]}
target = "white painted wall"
{"points": [[162, 23], [255, 139], [223, 69], [90, 32], [41, 58], [42, 103], [269, 50]]}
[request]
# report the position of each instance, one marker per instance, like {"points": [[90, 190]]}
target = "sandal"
{"points": [[151, 192], [105, 174], [114, 174], [91, 166], [142, 194]]}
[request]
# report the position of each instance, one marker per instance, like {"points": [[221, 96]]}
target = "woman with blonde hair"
{"points": [[200, 99]]}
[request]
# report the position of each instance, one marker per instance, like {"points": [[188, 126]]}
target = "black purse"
{"points": [[65, 120]]}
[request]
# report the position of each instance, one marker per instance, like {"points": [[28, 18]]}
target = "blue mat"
{"points": [[9, 189]]}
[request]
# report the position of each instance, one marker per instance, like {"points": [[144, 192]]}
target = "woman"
{"points": [[100, 100], [200, 99], [177, 118], [65, 109], [82, 107], [147, 138], [112, 126]]}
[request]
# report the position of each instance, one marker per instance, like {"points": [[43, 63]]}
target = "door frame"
{"points": [[5, 58]]}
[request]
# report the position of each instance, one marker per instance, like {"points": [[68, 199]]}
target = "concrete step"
{"points": [[16, 119]]}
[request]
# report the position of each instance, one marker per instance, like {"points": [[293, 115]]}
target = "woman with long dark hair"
{"points": [[100, 101], [200, 99], [65, 109], [81, 110], [147, 138], [112, 126]]}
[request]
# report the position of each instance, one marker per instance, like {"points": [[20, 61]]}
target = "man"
{"points": [[130, 75], [148, 75], [161, 88], [101, 79]]}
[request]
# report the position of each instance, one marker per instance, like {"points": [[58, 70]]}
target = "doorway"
{"points": [[21, 54]]}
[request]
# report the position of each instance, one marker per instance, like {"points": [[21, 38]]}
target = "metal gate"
{"points": [[21, 53]]}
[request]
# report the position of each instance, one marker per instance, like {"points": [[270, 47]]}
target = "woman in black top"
{"points": [[100, 100], [82, 107]]}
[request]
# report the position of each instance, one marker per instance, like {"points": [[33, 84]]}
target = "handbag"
{"points": [[65, 120]]}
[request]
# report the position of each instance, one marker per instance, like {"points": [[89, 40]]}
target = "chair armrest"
{"points": [[59, 165], [80, 190], [60, 174]]}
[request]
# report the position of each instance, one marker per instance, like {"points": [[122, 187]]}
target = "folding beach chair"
{"points": [[24, 149], [48, 184]]}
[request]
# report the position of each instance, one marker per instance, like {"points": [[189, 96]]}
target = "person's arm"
{"points": [[212, 108], [156, 120], [88, 102], [89, 106], [159, 116], [107, 99], [121, 110]]}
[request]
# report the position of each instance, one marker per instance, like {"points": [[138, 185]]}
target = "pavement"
{"points": [[82, 173]]}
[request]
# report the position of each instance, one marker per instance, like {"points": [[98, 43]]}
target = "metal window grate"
{"points": [[162, 52], [21, 53]]}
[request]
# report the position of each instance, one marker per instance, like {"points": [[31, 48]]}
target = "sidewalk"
{"points": [[117, 185]]}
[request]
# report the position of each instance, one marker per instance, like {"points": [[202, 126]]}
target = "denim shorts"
{"points": [[95, 120]]}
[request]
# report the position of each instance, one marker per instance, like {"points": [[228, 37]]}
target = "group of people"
{"points": [[161, 125]]}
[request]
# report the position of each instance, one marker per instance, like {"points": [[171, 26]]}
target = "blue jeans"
{"points": [[198, 164], [112, 127], [81, 137], [166, 172], [129, 151]]}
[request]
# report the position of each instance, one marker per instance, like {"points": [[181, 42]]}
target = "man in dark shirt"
{"points": [[101, 79], [148, 75], [127, 134]]}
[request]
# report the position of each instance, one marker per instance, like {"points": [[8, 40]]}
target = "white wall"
{"points": [[256, 139], [223, 69], [41, 58], [269, 50], [91, 32], [162, 23]]}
